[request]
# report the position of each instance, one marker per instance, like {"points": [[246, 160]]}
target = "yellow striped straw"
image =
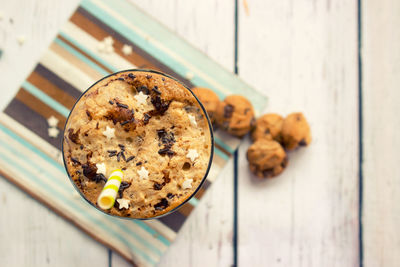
{"points": [[107, 196]]}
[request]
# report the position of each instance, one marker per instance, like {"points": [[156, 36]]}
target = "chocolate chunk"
{"points": [[122, 105], [148, 76], [157, 186], [112, 151], [163, 204], [111, 102], [89, 170], [284, 162], [75, 161], [163, 79], [100, 177], [166, 151], [89, 114], [268, 173], [166, 177], [89, 155], [123, 156], [155, 89], [121, 79], [170, 195], [119, 156], [228, 111], [122, 187], [160, 105], [246, 110], [161, 133], [130, 75], [81, 147], [97, 125], [124, 122], [144, 90], [146, 118], [302, 142], [267, 131], [130, 158], [139, 163], [122, 147], [74, 137]]}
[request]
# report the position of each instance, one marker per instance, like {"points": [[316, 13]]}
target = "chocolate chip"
{"points": [[121, 79], [122, 147], [144, 90], [157, 186], [124, 122], [246, 110], [161, 133], [166, 151], [268, 173], [139, 163], [89, 155], [75, 161], [122, 187], [119, 156], [284, 162], [81, 147], [163, 79], [124, 168], [302, 142], [112, 151], [123, 156], [100, 177], [74, 137], [170, 195], [146, 118], [148, 76], [89, 170], [89, 114], [267, 131], [155, 89], [163, 204], [111, 102], [160, 105], [130, 75], [130, 158], [122, 105], [228, 110]]}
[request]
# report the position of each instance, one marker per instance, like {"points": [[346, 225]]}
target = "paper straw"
{"points": [[107, 196]]}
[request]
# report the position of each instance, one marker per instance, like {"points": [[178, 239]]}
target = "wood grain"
{"points": [[381, 94], [303, 55]]}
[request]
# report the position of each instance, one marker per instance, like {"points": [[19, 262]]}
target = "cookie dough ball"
{"points": [[267, 158], [209, 99], [295, 131], [268, 127], [235, 115]]}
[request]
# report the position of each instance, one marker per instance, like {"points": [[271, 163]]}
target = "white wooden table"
{"points": [[338, 202]]}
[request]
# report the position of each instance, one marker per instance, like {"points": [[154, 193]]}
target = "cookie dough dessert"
{"points": [[150, 127]]}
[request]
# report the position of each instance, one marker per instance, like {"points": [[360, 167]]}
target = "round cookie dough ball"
{"points": [[268, 127], [295, 131], [209, 99], [267, 158], [235, 115]]}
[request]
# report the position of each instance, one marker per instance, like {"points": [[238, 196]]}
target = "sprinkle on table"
{"points": [[127, 50], [109, 132], [143, 173], [53, 132], [192, 120], [123, 203], [52, 121], [192, 154], [141, 98], [187, 184], [21, 39]]}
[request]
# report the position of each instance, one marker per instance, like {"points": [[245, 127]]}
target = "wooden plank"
{"points": [[30, 234], [381, 124], [206, 238], [303, 55]]}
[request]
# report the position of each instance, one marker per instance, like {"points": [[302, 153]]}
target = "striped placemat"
{"points": [[32, 160]]}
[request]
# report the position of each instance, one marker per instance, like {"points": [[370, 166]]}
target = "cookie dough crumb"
{"points": [[268, 126], [295, 131], [267, 158], [209, 99], [235, 115]]}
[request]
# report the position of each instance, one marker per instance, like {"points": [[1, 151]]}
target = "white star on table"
{"points": [[192, 120], [127, 50], [21, 39], [101, 47], [101, 168], [123, 203], [53, 132], [187, 184], [192, 154], [109, 132], [189, 75], [109, 49], [52, 121], [141, 98], [109, 41], [143, 173]]}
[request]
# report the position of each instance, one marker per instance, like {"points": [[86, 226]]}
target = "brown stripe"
{"points": [[79, 64], [83, 53], [223, 150], [48, 203], [139, 57], [186, 209], [51, 90], [200, 193], [39, 107], [174, 220]]}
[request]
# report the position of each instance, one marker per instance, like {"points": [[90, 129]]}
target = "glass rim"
{"points": [[209, 162]]}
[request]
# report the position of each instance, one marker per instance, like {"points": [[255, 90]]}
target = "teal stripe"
{"points": [[87, 51], [221, 154], [45, 98], [173, 43], [83, 212], [223, 145], [194, 201], [81, 57], [50, 160]]}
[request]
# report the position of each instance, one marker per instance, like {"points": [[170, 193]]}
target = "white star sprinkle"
{"points": [[192, 154], [101, 47], [143, 173], [192, 120], [127, 50], [52, 121], [187, 184], [53, 132], [21, 39], [123, 203], [109, 49], [108, 40], [101, 168], [141, 98], [189, 75], [109, 132]]}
